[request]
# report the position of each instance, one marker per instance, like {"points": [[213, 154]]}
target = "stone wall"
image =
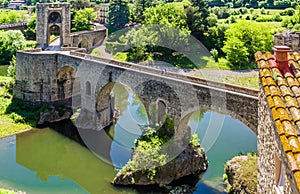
{"points": [[43, 11], [269, 145], [52, 77], [289, 38], [93, 38]]}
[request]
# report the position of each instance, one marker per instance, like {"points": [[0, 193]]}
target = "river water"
{"points": [[44, 161]]}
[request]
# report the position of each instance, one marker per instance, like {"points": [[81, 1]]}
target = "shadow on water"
{"points": [[69, 161]]}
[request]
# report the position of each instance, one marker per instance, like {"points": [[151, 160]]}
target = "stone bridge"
{"points": [[15, 26], [85, 81], [87, 39]]}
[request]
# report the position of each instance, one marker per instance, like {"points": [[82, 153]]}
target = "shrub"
{"points": [[17, 118], [195, 140], [255, 16], [214, 53], [11, 70], [288, 11], [277, 18]]}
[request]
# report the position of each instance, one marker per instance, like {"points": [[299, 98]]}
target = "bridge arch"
{"points": [[83, 44], [68, 85], [159, 99], [55, 29], [54, 17]]}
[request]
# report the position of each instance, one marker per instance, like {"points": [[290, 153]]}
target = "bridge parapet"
{"points": [[230, 87], [56, 77]]}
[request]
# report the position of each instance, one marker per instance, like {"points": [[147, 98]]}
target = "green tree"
{"points": [[79, 4], [10, 42], [170, 14], [30, 31], [118, 14], [139, 8], [245, 38], [197, 15], [82, 19]]}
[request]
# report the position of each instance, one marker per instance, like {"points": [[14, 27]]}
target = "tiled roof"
{"points": [[282, 90]]}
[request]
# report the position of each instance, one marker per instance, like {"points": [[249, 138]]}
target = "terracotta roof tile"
{"points": [[259, 56], [296, 91], [292, 82], [270, 102], [275, 114], [288, 128], [295, 112], [292, 161], [263, 64], [285, 144], [280, 128], [286, 91], [297, 158], [263, 81], [297, 178], [281, 81], [277, 72], [278, 102], [294, 143], [269, 55], [283, 98], [274, 91], [270, 81], [290, 102], [298, 100], [283, 115], [267, 91]]}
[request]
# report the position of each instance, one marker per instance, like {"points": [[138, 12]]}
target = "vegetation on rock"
{"points": [[151, 162], [241, 174]]}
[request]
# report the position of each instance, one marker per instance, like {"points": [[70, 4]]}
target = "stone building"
{"points": [[288, 38], [53, 19], [103, 13], [279, 120]]}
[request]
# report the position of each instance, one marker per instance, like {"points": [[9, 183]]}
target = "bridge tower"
{"points": [[53, 19]]}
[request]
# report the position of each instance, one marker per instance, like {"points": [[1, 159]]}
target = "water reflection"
{"points": [[44, 161]]}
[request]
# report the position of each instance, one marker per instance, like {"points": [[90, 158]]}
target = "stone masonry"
{"points": [[268, 145], [49, 15], [48, 77]]}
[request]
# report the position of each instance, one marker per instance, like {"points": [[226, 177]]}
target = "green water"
{"points": [[44, 161]]}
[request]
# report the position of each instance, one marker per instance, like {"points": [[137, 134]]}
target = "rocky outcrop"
{"points": [[52, 115], [241, 174], [191, 161]]}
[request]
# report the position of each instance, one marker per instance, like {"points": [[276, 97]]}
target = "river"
{"points": [[44, 161]]}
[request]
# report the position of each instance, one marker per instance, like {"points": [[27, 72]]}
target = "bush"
{"points": [[288, 12], [214, 53], [16, 118], [11, 70], [277, 18], [255, 16]]}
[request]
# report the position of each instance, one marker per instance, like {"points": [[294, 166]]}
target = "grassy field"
{"points": [[12, 122], [4, 191]]}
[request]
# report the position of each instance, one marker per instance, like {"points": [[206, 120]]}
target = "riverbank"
{"points": [[5, 191], [10, 122]]}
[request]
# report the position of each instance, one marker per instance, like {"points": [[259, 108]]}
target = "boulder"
{"points": [[192, 160], [51, 115], [241, 174]]}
